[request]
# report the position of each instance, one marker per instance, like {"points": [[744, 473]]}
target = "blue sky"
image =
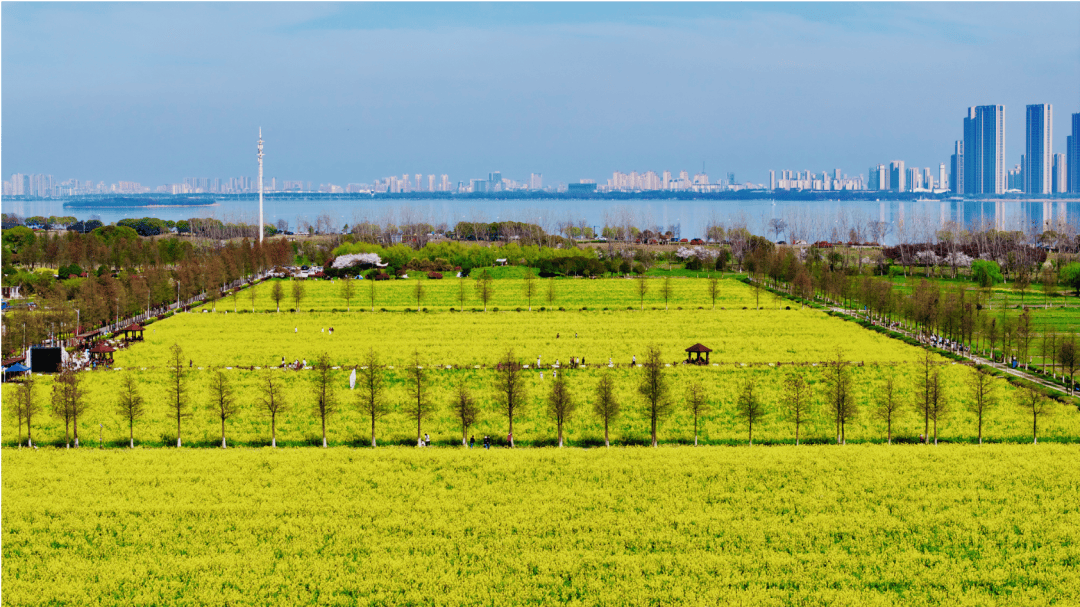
{"points": [[155, 92]]}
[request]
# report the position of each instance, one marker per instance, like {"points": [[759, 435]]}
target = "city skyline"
{"points": [[570, 91]]}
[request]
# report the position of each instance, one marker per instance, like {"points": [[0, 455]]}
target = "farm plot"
{"points": [[863, 525]]}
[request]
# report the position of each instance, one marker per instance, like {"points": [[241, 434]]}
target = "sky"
{"points": [[353, 92]]}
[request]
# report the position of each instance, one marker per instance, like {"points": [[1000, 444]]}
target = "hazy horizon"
{"points": [[156, 92]]}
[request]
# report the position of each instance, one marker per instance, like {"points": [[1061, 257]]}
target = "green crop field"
{"points": [[859, 525]]}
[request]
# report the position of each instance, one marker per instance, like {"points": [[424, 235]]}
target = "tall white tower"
{"points": [[260, 155]]}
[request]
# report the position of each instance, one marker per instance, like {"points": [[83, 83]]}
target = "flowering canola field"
{"points": [[858, 525]]}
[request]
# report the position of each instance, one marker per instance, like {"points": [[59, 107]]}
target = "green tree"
{"points": [[642, 290], [485, 287], [371, 397], [530, 286], [697, 402], [986, 273], [797, 400], [465, 409], [222, 400], [348, 291], [324, 392], [561, 404], [1070, 277], [298, 292], [981, 397], [606, 405], [277, 293], [273, 401], [418, 293], [130, 406], [714, 290], [655, 389], [418, 383], [510, 386], [665, 290], [839, 393], [749, 406], [178, 387], [888, 405]]}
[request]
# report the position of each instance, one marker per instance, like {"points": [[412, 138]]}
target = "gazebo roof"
{"points": [[133, 327], [698, 348], [102, 348]]}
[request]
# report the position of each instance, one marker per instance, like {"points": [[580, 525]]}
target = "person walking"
{"points": [[472, 441], [427, 440], [509, 440], [487, 441]]}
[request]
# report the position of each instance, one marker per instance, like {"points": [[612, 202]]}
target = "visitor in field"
{"points": [[472, 441], [509, 440], [427, 440]]}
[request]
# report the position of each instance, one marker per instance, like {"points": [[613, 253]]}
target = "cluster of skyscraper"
{"points": [[977, 165], [897, 178], [651, 181], [44, 186], [807, 180]]}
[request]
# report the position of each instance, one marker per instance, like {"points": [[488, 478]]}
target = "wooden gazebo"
{"points": [[697, 349], [102, 353], [89, 337], [131, 330]]}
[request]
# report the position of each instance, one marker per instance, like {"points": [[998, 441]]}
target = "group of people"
{"points": [[424, 442], [488, 441], [296, 365]]}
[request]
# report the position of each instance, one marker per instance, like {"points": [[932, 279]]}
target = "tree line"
{"points": [[799, 404]]}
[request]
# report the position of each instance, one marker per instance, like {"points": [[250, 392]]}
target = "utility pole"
{"points": [[260, 155]]}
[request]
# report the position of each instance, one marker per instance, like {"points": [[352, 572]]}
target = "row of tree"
{"points": [[799, 403]]}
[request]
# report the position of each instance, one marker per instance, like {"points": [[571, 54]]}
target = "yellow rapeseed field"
{"points": [[854, 525]]}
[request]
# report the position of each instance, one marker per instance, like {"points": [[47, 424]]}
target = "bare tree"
{"points": [[561, 404], [888, 405], [697, 402], [839, 392], [348, 291], [324, 392], [776, 226], [530, 286], [60, 407], [298, 291], [924, 396], [797, 400], [665, 290], [418, 380], [177, 387], [419, 293], [253, 294], [222, 400], [273, 401], [510, 385], [938, 402], [551, 292], [371, 292], [714, 290], [28, 405], [982, 397], [642, 290], [655, 389], [131, 406], [465, 409], [277, 293], [1037, 405], [606, 406], [371, 398], [485, 287], [749, 406]]}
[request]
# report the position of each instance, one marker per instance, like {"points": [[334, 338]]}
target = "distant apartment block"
{"points": [[1039, 149], [984, 150]]}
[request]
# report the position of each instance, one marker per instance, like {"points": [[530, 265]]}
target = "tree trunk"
{"points": [[980, 428], [751, 443], [560, 435], [654, 430], [75, 427], [131, 435], [511, 429], [607, 443], [1034, 429], [890, 429], [324, 431], [178, 428], [372, 430], [223, 433], [273, 430], [796, 435]]}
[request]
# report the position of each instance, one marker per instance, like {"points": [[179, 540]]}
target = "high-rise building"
{"points": [[536, 181], [772, 179], [984, 150], [1059, 184], [431, 183], [1039, 148], [943, 177], [956, 168], [914, 179], [1072, 157], [897, 176]]}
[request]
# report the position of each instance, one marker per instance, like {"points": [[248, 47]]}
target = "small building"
{"points": [[697, 349]]}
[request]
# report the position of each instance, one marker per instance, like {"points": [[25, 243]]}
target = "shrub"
{"points": [[434, 275]]}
